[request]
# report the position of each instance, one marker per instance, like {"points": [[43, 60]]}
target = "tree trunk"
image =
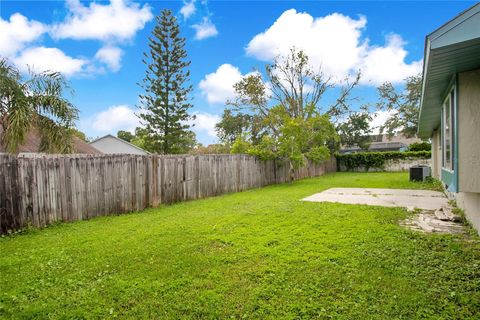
{"points": [[291, 172]]}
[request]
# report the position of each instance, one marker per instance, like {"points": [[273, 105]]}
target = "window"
{"points": [[447, 131], [377, 138]]}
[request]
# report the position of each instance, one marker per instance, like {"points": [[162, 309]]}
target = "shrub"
{"points": [[420, 146], [240, 146], [376, 159]]}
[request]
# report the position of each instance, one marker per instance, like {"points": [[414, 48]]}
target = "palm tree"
{"points": [[35, 103]]}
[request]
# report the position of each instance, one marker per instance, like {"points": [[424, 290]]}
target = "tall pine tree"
{"points": [[165, 102]]}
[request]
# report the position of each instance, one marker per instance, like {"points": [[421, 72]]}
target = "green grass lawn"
{"points": [[255, 254]]}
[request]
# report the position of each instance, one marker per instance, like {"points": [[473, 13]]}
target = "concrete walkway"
{"points": [[410, 199]]}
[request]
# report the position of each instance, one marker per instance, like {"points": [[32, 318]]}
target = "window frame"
{"points": [[449, 100]]}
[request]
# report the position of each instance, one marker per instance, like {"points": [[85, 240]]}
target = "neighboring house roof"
{"points": [[451, 49], [33, 140], [110, 144], [377, 146]]}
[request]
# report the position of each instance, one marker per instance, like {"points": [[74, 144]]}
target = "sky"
{"points": [[99, 47]]}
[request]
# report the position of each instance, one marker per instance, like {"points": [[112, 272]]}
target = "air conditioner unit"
{"points": [[419, 173]]}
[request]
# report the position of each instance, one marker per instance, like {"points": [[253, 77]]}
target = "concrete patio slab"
{"points": [[421, 199]]}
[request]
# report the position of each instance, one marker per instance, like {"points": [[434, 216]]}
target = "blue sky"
{"points": [[99, 46]]}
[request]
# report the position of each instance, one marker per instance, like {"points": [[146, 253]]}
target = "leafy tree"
{"points": [[165, 103], [355, 131], [217, 148], [125, 135], [294, 85], [79, 134], [186, 142], [241, 145], [299, 138], [298, 126], [144, 140], [405, 106], [295, 140], [233, 125], [36, 102]]}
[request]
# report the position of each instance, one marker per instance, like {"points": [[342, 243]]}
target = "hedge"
{"points": [[420, 146], [376, 159]]}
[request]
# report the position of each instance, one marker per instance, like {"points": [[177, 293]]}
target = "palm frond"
{"points": [[40, 102], [55, 138]]}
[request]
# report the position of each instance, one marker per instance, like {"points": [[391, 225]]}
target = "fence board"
{"points": [[38, 190]]}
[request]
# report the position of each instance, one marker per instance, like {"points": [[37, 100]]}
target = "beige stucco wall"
{"points": [[470, 203], [468, 121], [469, 131], [436, 154]]}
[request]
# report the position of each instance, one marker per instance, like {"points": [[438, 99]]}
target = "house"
{"points": [[401, 138], [383, 143], [112, 145], [33, 140], [450, 108]]}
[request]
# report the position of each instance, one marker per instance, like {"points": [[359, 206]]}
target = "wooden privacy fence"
{"points": [[36, 190]]}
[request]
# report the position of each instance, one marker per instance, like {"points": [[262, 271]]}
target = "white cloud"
{"points": [[205, 29], [118, 20], [379, 120], [388, 63], [205, 122], [115, 118], [188, 9], [217, 87], [49, 59], [111, 56], [17, 32], [334, 43]]}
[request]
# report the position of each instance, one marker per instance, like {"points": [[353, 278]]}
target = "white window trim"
{"points": [[452, 133]]}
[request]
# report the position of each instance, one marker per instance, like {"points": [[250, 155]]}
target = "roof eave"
{"points": [[426, 61], [448, 51]]}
